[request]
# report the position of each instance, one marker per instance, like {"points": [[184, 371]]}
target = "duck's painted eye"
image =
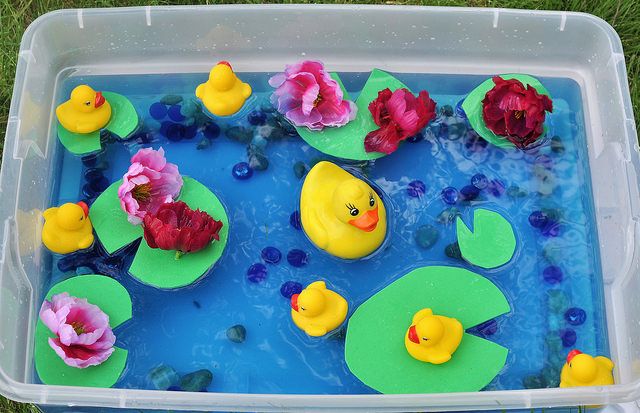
{"points": [[81, 218], [371, 200], [425, 339], [352, 209], [302, 308], [88, 102], [569, 365]]}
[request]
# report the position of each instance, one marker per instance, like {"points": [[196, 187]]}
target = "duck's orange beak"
{"points": [[572, 354], [294, 301], [99, 99], [84, 207], [368, 221], [413, 335]]}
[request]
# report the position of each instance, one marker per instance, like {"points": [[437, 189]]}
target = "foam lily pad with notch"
{"points": [[124, 121], [156, 267], [347, 141], [375, 351], [491, 243], [114, 300], [472, 106]]}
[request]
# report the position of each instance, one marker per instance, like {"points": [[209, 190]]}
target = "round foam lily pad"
{"points": [[160, 268], [492, 241], [375, 350], [124, 121], [472, 107], [347, 141], [114, 300]]}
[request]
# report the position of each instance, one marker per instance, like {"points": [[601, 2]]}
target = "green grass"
{"points": [[15, 15]]}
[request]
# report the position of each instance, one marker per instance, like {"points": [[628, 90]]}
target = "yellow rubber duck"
{"points": [[340, 213], [223, 94], [433, 338], [584, 370], [67, 228], [86, 111], [318, 310]]}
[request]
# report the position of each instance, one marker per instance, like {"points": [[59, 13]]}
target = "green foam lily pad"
{"points": [[114, 300], [375, 350], [124, 121], [492, 241], [472, 107], [347, 141]]}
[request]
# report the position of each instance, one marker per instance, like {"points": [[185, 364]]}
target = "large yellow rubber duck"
{"points": [[318, 310], [223, 94], [433, 338], [86, 111], [340, 213], [584, 370], [67, 228]]}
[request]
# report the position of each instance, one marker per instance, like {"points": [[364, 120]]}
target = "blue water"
{"points": [[185, 328]]}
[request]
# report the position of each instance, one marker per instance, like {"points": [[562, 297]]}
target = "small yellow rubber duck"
{"points": [[318, 310], [433, 338], [67, 228], [340, 213], [584, 370], [223, 94], [86, 111]]}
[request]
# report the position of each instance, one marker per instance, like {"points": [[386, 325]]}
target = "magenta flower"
{"points": [[307, 96], [84, 337], [150, 182]]}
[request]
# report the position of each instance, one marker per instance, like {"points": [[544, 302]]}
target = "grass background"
{"points": [[15, 16]]}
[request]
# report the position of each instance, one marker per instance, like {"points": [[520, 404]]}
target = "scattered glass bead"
{"points": [[552, 274], [158, 111], [171, 99], [259, 142], [469, 192], [416, 189], [211, 130], [237, 333], [239, 134], [447, 110], [299, 169], [459, 111], [89, 160], [569, 337], [174, 132], [88, 191], [556, 145], [480, 181], [453, 251], [450, 195], [242, 171], [416, 138], [196, 381], [162, 377], [474, 142], [257, 273], [557, 301], [257, 117], [553, 342], [190, 131], [258, 161], [426, 236], [294, 220], [289, 288], [297, 258], [575, 316], [551, 229], [488, 328], [448, 215], [538, 219], [514, 191], [99, 184], [496, 187], [272, 255], [175, 114], [204, 143], [92, 174], [189, 109]]}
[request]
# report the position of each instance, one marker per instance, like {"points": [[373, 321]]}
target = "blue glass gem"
{"points": [[426, 236], [289, 288], [416, 189], [416, 138], [257, 273], [474, 142], [480, 181], [450, 195], [556, 145], [92, 174], [294, 220], [453, 251], [158, 111], [211, 130], [88, 191], [89, 160], [297, 258], [242, 171], [190, 131], [203, 144], [469, 192], [237, 333], [175, 114], [271, 255], [496, 187], [575, 316], [459, 110], [171, 99], [538, 219], [552, 274], [257, 117], [174, 132], [488, 328], [569, 337], [99, 184], [551, 229], [196, 381], [163, 377]]}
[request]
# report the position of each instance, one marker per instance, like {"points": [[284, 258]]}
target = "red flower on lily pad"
{"points": [[514, 111], [399, 115], [175, 226]]}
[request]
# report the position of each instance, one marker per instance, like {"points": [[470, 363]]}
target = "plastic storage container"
{"points": [[352, 38]]}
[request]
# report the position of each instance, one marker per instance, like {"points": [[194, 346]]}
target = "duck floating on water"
{"points": [[67, 228], [318, 310], [224, 93], [584, 370], [340, 213], [86, 111], [433, 338]]}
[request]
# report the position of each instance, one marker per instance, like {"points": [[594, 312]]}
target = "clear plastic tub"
{"points": [[351, 38]]}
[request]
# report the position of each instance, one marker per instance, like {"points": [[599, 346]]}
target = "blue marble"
{"points": [[575, 316], [416, 189], [257, 117], [289, 288], [450, 195], [480, 181], [175, 114], [297, 258], [552, 274], [158, 111], [257, 273], [294, 220], [242, 171], [272, 255]]}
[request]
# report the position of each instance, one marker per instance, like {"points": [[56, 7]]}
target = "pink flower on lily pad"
{"points": [[150, 182], [83, 335], [307, 96]]}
